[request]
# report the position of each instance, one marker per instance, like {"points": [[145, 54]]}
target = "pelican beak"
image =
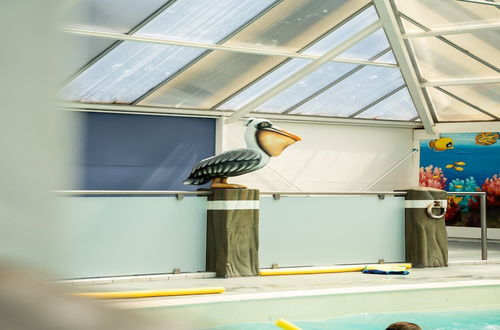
{"points": [[281, 131], [273, 140]]}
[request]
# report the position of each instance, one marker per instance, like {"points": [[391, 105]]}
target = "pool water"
{"points": [[456, 320]]}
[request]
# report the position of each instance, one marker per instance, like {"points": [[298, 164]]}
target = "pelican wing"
{"points": [[230, 163]]}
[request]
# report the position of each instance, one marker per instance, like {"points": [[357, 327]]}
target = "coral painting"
{"points": [[464, 162]]}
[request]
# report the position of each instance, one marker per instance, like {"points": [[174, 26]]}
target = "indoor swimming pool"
{"points": [[451, 320]]}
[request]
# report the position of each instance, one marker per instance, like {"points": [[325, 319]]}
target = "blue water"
{"points": [[481, 161], [457, 320]]}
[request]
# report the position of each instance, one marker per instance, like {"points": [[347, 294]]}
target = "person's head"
{"points": [[403, 326]]}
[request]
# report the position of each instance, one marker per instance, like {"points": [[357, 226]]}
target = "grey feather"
{"points": [[230, 163]]}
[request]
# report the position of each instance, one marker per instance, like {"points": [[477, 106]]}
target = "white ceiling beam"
{"points": [[237, 49], [340, 121], [471, 127], [459, 127], [454, 30], [402, 55], [167, 111], [304, 71], [464, 81], [141, 109]]}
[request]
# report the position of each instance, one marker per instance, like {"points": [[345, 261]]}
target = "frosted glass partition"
{"points": [[331, 230], [131, 235], [110, 236]]}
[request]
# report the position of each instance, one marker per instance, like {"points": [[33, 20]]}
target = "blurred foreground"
{"points": [[36, 143]]}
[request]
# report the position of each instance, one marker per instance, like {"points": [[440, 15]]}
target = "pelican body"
{"points": [[263, 140]]}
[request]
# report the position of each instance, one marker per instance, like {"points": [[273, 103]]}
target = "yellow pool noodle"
{"points": [[284, 324], [320, 270], [149, 293]]}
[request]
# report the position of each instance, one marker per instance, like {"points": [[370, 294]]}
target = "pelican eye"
{"points": [[265, 124]]}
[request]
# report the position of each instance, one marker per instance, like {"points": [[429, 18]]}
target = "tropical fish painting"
{"points": [[464, 162], [457, 166], [441, 144], [487, 138]]}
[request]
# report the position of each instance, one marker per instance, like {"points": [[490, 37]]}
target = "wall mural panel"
{"points": [[464, 162]]}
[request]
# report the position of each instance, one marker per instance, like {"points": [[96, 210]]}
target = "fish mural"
{"points": [[441, 144], [461, 162], [457, 166], [487, 138]]}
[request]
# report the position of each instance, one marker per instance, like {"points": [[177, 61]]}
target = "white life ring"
{"points": [[435, 204]]}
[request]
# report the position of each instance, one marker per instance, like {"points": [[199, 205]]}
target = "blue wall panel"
{"points": [[143, 152]]}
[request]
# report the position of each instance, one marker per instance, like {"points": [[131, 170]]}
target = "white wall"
{"points": [[332, 158]]}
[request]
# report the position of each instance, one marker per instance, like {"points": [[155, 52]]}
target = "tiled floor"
{"points": [[470, 251], [464, 258], [466, 272]]}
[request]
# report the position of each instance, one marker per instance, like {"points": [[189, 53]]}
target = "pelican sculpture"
{"points": [[263, 139]]}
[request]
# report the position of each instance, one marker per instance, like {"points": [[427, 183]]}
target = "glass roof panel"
{"points": [[276, 76], [323, 45], [286, 23], [484, 96], [387, 58], [203, 20], [326, 74], [305, 87], [438, 60], [482, 46], [292, 25], [109, 15], [83, 50], [354, 93], [120, 16], [211, 79], [132, 68], [343, 32], [450, 109], [446, 13], [398, 106], [368, 47]]}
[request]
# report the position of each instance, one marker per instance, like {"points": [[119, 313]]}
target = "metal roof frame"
{"points": [[392, 30], [453, 30], [461, 81], [118, 41], [311, 43], [169, 111], [475, 107], [390, 20], [450, 43], [482, 2], [380, 99], [305, 71], [333, 83], [238, 49], [208, 51]]}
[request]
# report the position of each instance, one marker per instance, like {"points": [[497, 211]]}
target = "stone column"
{"points": [[425, 230], [233, 232]]}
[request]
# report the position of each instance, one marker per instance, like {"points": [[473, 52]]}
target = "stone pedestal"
{"points": [[425, 230], [233, 232]]}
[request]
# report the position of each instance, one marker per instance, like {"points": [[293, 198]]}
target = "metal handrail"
{"points": [[206, 193], [132, 192], [334, 193], [179, 194], [482, 214]]}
